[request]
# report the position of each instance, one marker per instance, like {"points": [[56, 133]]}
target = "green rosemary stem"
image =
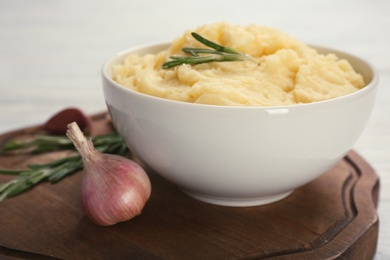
{"points": [[217, 53], [55, 170], [40, 144]]}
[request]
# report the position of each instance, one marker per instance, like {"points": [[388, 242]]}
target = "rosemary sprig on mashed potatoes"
{"points": [[218, 53], [288, 71]]}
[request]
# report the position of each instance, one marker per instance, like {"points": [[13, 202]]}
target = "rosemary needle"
{"points": [[217, 53], [40, 144], [55, 170]]}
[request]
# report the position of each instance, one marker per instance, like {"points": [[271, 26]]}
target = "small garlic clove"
{"points": [[57, 124]]}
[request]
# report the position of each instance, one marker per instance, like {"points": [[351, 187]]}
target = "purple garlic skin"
{"points": [[57, 124], [113, 190]]}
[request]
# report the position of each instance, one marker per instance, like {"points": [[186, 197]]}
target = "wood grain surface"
{"points": [[332, 217]]}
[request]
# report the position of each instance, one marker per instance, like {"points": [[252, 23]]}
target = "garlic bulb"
{"points": [[114, 188]]}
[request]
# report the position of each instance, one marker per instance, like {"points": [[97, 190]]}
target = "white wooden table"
{"points": [[51, 53]]}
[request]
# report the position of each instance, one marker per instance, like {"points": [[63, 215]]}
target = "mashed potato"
{"points": [[289, 72]]}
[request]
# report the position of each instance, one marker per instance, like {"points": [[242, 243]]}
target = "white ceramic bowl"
{"points": [[238, 156]]}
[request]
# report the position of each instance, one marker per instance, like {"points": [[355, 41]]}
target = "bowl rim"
{"points": [[371, 86]]}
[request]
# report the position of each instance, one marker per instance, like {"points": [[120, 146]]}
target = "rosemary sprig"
{"points": [[217, 53], [40, 144], [53, 171]]}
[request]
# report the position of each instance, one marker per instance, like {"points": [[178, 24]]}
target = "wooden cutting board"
{"points": [[332, 217]]}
